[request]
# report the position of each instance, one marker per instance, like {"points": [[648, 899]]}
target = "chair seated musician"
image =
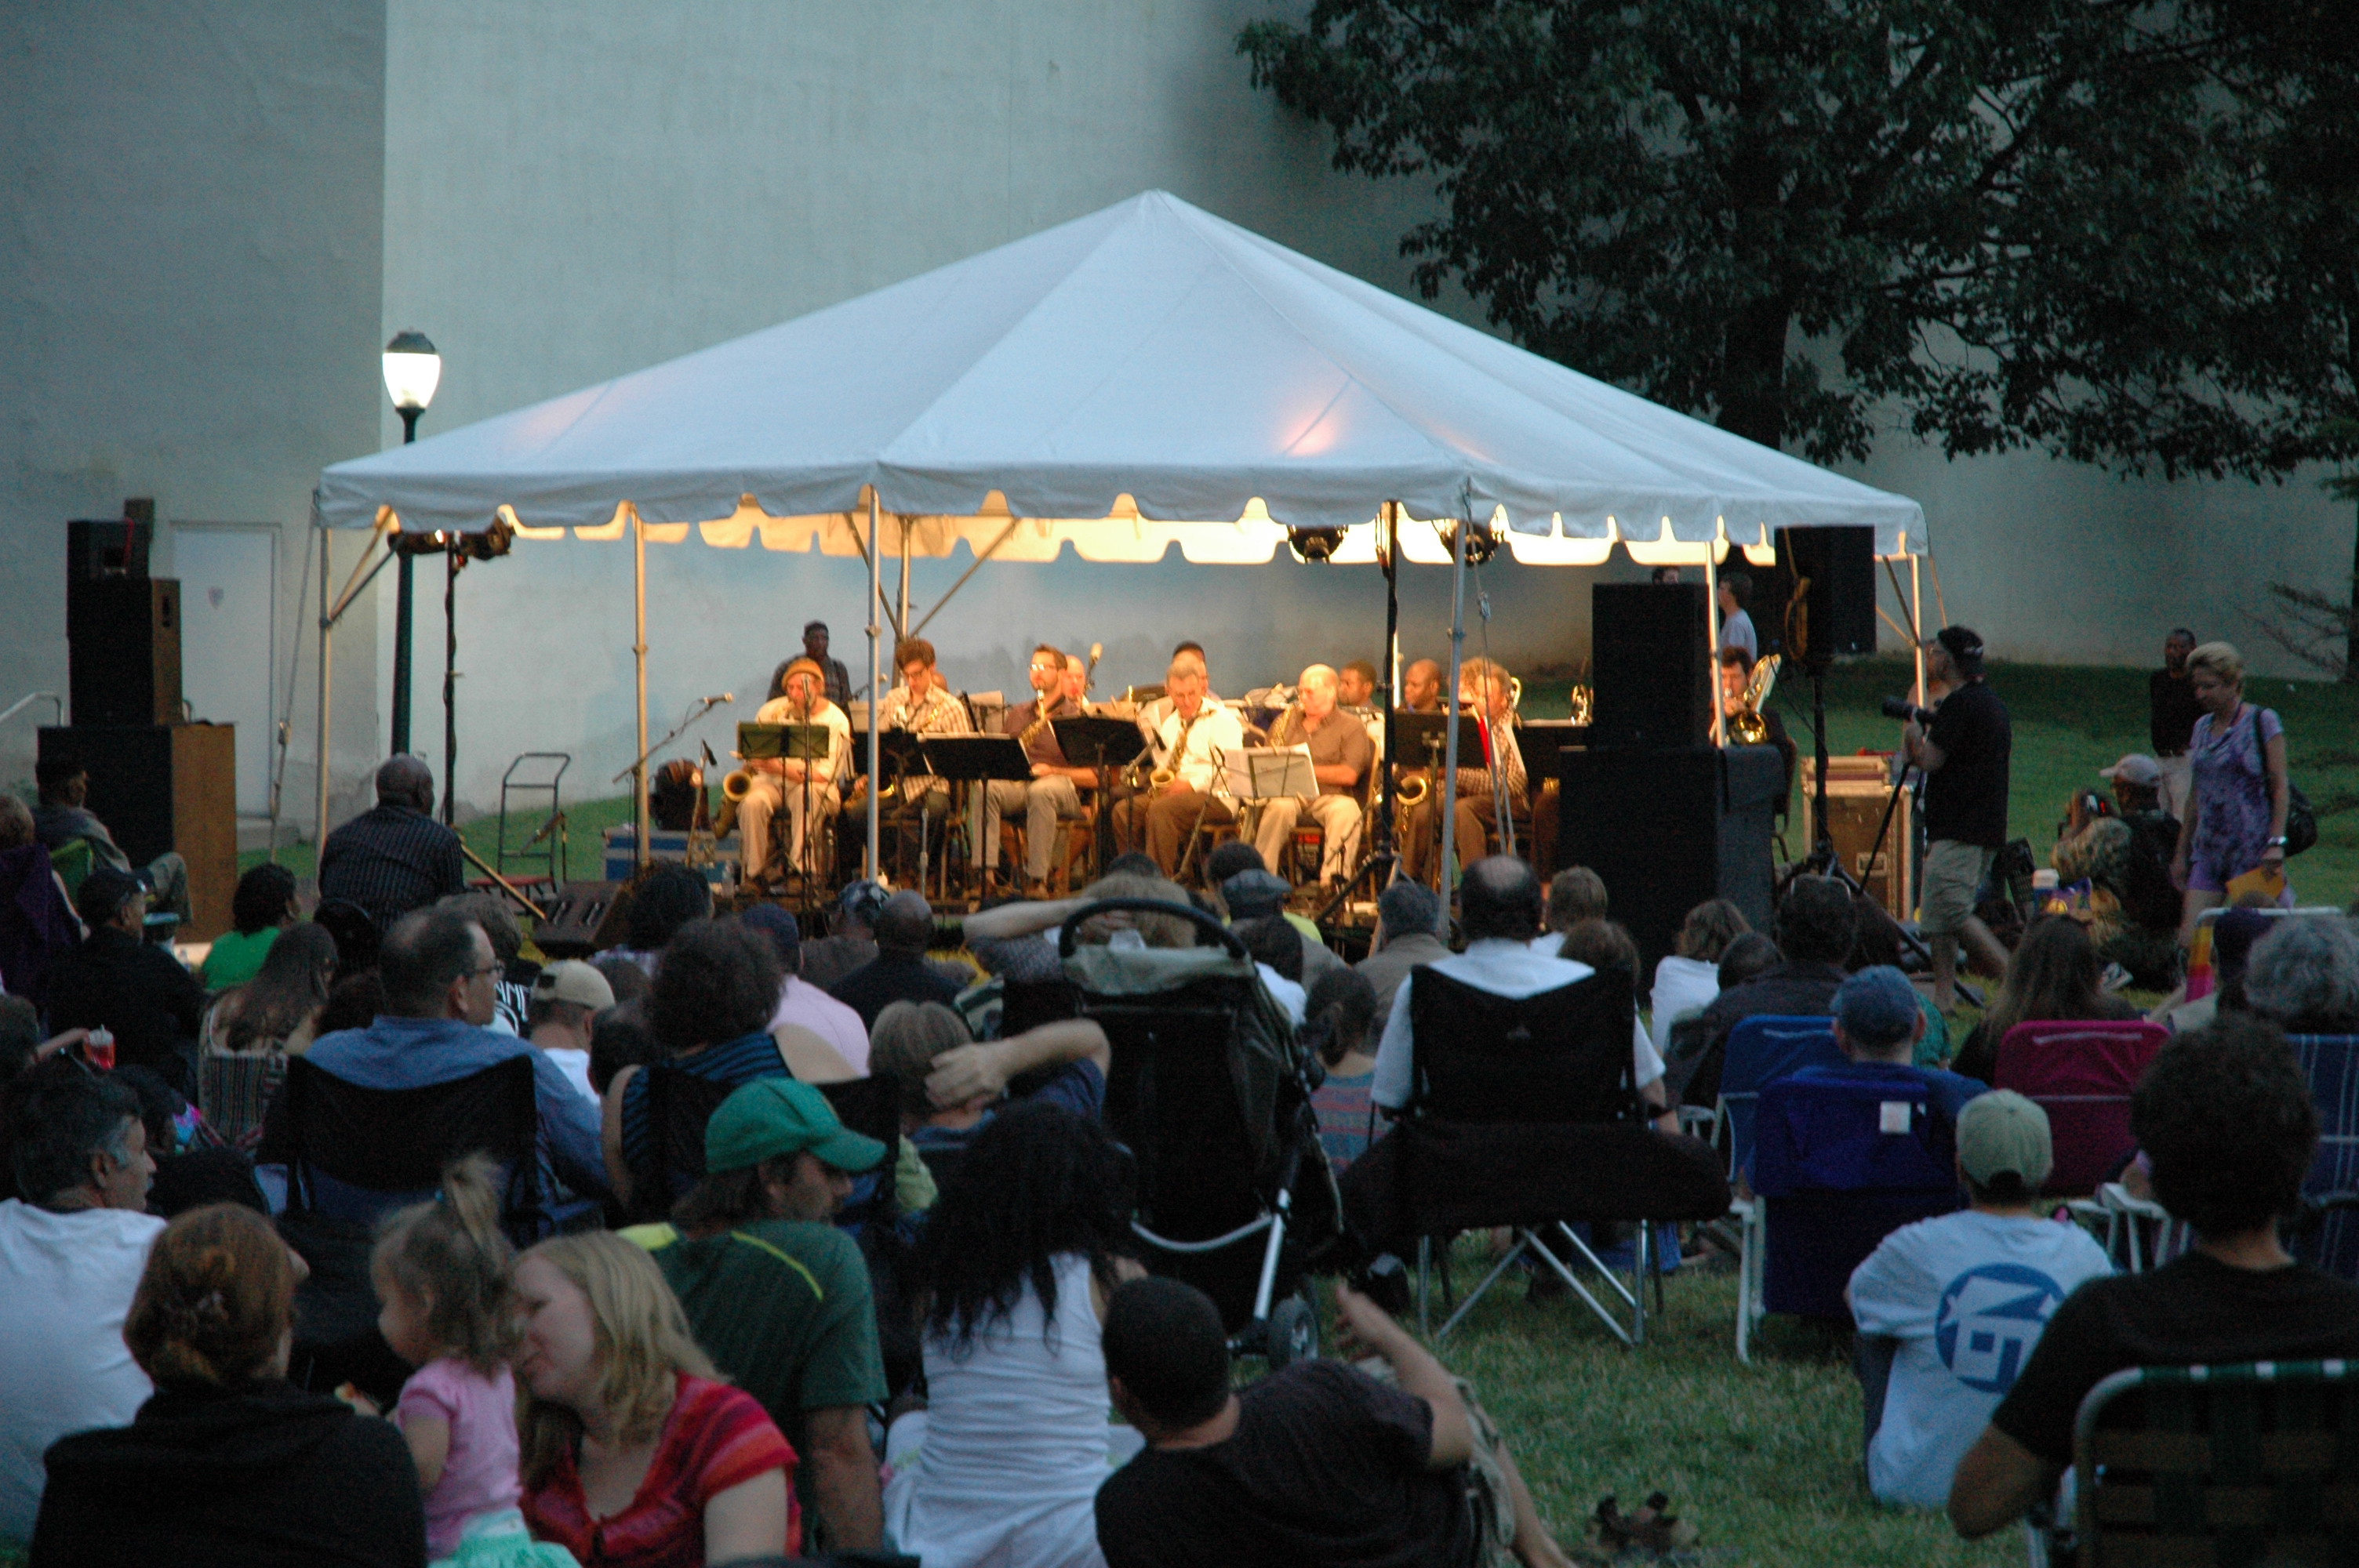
{"points": [[1185, 739], [922, 705], [1340, 758], [1054, 792], [1500, 909], [1485, 691], [809, 792]]}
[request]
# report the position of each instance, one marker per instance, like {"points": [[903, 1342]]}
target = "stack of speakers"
{"points": [[157, 782], [1665, 816]]}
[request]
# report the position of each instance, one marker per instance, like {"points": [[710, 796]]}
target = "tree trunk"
{"points": [[1752, 394], [2350, 634]]}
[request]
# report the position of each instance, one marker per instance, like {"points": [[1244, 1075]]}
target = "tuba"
{"points": [[1746, 727]]}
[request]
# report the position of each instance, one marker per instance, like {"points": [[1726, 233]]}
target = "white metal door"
{"points": [[229, 600]]}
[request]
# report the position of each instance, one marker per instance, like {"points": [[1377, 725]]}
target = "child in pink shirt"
{"points": [[441, 1271]]}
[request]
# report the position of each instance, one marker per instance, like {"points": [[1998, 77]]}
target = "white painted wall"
{"points": [[188, 289]]}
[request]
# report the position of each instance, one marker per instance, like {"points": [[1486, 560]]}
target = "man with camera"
{"points": [[1961, 745]]}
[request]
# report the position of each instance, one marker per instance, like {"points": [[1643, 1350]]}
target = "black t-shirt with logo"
{"points": [[1965, 799], [1327, 1467]]}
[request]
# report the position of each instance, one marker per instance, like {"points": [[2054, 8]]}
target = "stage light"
{"points": [[1480, 544], [1314, 544]]}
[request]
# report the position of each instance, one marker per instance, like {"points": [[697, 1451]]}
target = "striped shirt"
{"points": [[734, 1062]]}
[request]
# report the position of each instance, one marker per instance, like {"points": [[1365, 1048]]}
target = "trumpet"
{"points": [[1746, 727]]}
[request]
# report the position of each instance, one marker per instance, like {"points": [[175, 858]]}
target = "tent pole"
{"points": [[1447, 802], [1916, 622], [1712, 630], [875, 696], [1386, 824], [901, 621], [641, 826], [980, 555], [327, 653]]}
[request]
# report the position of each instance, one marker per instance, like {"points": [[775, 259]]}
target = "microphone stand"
{"points": [[705, 704]]}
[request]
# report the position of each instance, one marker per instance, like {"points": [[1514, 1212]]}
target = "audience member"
{"points": [[778, 1296], [634, 1452], [395, 858], [1574, 894], [194, 1165], [1878, 1020], [37, 919], [1499, 905], [227, 1463], [1748, 958], [118, 980], [851, 941], [950, 1084], [1340, 1031], [709, 1012], [1964, 753], [2303, 976], [620, 1038], [354, 1002], [1408, 915], [517, 972], [1606, 945], [63, 818], [1949, 1308], [2226, 1119], [264, 901], [1815, 925], [442, 1271], [899, 971], [2124, 856], [2051, 977], [70, 1260], [629, 981], [439, 974], [1276, 949], [2234, 934], [2171, 713], [800, 1004], [667, 896], [1687, 979], [1016, 1264], [566, 997], [251, 1032], [1252, 893], [2238, 792], [1319, 1463]]}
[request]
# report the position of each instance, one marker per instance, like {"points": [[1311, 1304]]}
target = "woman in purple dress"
{"points": [[2235, 819]]}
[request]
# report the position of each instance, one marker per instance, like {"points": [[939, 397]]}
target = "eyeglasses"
{"points": [[491, 969]]}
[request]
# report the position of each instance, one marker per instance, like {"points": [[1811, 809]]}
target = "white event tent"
{"points": [[1145, 375]]}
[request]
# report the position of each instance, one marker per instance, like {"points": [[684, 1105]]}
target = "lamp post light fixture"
{"points": [[412, 371]]}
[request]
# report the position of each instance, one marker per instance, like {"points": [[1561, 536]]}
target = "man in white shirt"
{"points": [[566, 996], [70, 1261], [1187, 739], [1499, 907], [1965, 1297], [806, 789], [1735, 624]]}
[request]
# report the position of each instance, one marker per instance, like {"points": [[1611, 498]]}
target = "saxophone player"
{"points": [[807, 791], [1053, 794], [1185, 743], [922, 704]]}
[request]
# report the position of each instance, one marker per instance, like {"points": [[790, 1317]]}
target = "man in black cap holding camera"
{"points": [[1964, 752]]}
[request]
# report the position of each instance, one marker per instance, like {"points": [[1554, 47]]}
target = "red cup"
{"points": [[99, 1049]]}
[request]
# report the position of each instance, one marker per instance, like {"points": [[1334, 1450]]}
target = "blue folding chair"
{"points": [[1839, 1165], [2331, 1063], [1759, 1051]]}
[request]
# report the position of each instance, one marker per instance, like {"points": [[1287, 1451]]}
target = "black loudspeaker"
{"points": [[1652, 655], [99, 549], [1668, 829], [1834, 613], [585, 918], [165, 786], [123, 651]]}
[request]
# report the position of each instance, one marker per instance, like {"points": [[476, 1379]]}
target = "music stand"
{"points": [[1432, 732], [970, 759], [1095, 740], [1270, 772]]}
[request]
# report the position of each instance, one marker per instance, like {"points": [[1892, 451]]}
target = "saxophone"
{"points": [[1032, 730], [1139, 776]]}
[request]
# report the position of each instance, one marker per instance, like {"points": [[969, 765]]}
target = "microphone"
{"points": [[1097, 650], [717, 701], [709, 760]]}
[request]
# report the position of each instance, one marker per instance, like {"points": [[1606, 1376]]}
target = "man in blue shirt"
{"points": [[441, 985], [1878, 1024]]}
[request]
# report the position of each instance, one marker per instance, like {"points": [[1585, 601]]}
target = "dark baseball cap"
{"points": [[1964, 646], [103, 893]]}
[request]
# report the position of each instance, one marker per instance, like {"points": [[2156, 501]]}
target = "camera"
{"points": [[1901, 707]]}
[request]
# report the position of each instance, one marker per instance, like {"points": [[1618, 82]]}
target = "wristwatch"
{"points": [[2277, 843]]}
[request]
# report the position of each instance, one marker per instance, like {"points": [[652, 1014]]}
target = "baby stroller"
{"points": [[1212, 1096]]}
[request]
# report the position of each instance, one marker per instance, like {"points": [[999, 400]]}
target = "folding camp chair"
{"points": [[2233, 1465], [2331, 1063], [1760, 1051], [2081, 1074]]}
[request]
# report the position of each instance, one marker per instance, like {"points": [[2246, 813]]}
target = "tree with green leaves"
{"points": [[1991, 223]]}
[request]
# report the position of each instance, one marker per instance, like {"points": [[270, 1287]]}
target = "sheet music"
{"points": [[1269, 772]]}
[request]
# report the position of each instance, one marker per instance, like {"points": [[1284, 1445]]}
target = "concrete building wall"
{"points": [[189, 298]]}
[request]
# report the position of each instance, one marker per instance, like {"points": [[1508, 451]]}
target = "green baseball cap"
{"points": [[771, 1118], [2002, 1131]]}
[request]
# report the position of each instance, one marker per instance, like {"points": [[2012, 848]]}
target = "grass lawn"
{"points": [[1765, 1459]]}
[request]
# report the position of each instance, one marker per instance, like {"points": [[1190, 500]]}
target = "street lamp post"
{"points": [[412, 371]]}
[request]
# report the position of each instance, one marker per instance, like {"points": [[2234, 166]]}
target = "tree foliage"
{"points": [[2063, 224]]}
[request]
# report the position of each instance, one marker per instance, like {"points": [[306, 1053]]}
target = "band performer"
{"points": [[922, 705], [809, 792], [1484, 691], [1184, 743], [1053, 794], [1340, 757]]}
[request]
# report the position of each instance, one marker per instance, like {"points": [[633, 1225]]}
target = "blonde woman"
{"points": [[2235, 819], [633, 1454]]}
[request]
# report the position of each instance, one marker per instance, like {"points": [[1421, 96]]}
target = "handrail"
{"points": [[31, 697]]}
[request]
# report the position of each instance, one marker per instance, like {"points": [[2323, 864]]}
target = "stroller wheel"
{"points": [[1293, 1333]]}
